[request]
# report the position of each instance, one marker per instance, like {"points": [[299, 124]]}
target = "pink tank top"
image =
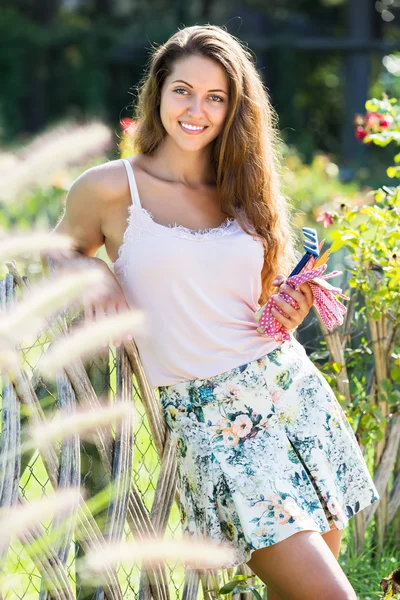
{"points": [[199, 291]]}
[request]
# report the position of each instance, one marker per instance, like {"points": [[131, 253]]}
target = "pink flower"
{"points": [[373, 119], [128, 125], [326, 217], [242, 425]]}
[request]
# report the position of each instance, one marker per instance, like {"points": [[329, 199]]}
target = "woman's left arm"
{"points": [[304, 298]]}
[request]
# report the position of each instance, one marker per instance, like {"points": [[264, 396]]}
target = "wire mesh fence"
{"points": [[139, 455]]}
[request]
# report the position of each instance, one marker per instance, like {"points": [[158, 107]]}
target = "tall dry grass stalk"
{"points": [[194, 553], [10, 361], [17, 520], [18, 244], [83, 422], [88, 339], [29, 316], [57, 149]]}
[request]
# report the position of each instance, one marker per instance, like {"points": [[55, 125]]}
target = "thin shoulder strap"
{"points": [[132, 183]]}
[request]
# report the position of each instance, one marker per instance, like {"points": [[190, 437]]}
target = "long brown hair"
{"points": [[245, 155]]}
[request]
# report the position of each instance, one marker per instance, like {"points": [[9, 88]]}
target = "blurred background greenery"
{"points": [[320, 60]]}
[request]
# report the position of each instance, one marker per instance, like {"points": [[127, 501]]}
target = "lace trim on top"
{"points": [[134, 228], [185, 232]]}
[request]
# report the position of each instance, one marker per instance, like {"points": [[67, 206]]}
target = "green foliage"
{"points": [[365, 231], [316, 187], [371, 232], [39, 208], [366, 569], [235, 585], [67, 62]]}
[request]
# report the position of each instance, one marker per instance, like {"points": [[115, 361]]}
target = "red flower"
{"points": [[361, 133], [373, 122]]}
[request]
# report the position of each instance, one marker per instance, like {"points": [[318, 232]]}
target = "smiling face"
{"points": [[194, 102]]}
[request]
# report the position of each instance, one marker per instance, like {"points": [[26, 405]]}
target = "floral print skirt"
{"points": [[264, 450]]}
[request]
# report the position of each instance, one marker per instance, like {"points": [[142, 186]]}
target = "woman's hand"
{"points": [[110, 303], [304, 298], [107, 300]]}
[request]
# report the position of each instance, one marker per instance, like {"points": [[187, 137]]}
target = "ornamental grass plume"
{"points": [[89, 339], [30, 315], [57, 149], [15, 245], [18, 519], [82, 422], [194, 553]]}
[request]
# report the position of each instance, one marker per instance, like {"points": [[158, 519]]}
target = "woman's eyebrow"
{"points": [[188, 84]]}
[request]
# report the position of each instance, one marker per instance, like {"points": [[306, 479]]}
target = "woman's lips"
{"points": [[192, 131]]}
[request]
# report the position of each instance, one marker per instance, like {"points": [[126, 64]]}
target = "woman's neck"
{"points": [[192, 169]]}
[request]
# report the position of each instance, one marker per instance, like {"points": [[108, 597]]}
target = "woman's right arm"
{"points": [[82, 221], [82, 218]]}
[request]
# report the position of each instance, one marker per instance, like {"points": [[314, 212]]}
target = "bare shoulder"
{"points": [[107, 181], [88, 202], [110, 179]]}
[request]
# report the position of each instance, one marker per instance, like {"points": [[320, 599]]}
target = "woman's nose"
{"points": [[196, 108]]}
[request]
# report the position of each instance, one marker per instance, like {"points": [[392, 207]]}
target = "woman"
{"points": [[197, 229]]}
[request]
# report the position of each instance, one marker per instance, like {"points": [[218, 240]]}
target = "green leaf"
{"points": [[228, 587], [373, 105], [337, 245], [386, 385], [393, 171], [395, 373], [257, 594]]}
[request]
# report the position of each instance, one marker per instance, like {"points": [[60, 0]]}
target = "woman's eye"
{"points": [[218, 98], [180, 90]]}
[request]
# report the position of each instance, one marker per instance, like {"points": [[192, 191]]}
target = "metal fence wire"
{"points": [[136, 456]]}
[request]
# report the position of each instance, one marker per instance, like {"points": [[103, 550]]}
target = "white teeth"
{"points": [[192, 127]]}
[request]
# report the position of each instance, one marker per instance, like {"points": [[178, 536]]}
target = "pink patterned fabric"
{"points": [[328, 306]]}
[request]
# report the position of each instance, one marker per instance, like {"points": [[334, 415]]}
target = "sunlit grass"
{"points": [[364, 571]]}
